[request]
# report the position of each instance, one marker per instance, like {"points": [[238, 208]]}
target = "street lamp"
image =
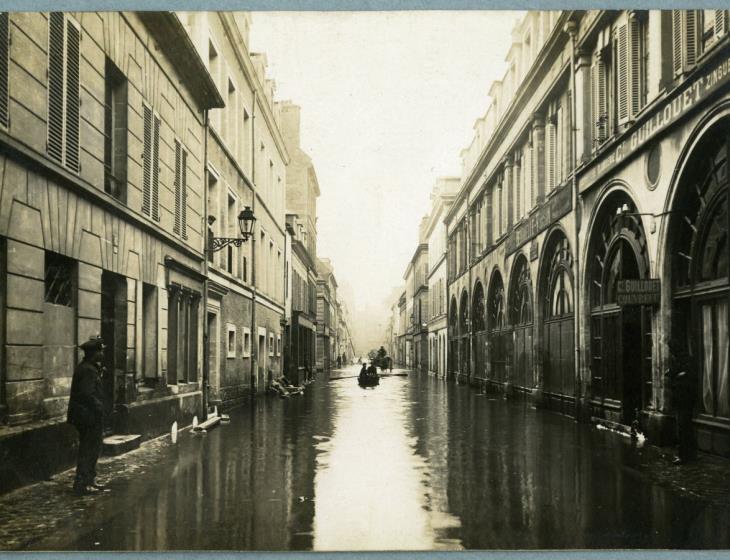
{"points": [[246, 221]]}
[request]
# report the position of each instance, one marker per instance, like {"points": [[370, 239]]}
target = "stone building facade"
{"points": [[590, 230], [102, 126]]}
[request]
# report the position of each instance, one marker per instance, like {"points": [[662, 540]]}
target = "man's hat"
{"points": [[94, 344]]}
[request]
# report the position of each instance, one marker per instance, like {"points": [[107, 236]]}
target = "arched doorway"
{"points": [[453, 353], [698, 253], [558, 327], [520, 299], [464, 334], [620, 336], [499, 333], [479, 332]]}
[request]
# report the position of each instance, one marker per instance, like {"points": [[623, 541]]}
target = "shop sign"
{"points": [[555, 208], [638, 292], [662, 117]]}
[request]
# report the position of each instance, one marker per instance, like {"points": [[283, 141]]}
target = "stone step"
{"points": [[120, 444]]}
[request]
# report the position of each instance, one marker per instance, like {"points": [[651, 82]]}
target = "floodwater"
{"points": [[415, 463]]}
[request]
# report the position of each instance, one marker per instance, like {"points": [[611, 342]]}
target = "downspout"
{"points": [[206, 249], [254, 331], [571, 29]]}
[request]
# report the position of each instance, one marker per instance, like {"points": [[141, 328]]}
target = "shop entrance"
{"points": [[621, 336]]}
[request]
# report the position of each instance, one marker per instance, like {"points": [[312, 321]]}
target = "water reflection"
{"points": [[415, 463]]}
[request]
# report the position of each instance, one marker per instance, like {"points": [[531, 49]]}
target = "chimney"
{"points": [[290, 119]]}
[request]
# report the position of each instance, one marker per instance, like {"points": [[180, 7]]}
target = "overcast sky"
{"points": [[388, 101]]}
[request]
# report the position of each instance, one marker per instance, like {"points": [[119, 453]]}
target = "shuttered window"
{"points": [[550, 141], [151, 164], [599, 105], [638, 54], [622, 73], [63, 90], [181, 158], [720, 23], [685, 39], [4, 54]]}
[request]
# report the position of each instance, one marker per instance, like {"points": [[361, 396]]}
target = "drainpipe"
{"points": [[572, 29], [254, 331], [206, 249]]}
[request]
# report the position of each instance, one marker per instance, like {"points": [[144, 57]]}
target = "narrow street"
{"points": [[415, 463]]}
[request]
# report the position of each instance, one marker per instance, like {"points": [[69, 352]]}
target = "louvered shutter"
{"points": [[55, 86], [184, 190], [601, 100], [147, 163], [178, 188], [550, 155], [72, 96], [691, 41], [720, 23], [622, 74], [677, 41], [558, 149], [634, 66], [156, 168], [4, 53]]}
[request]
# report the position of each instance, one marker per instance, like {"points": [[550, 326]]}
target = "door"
{"points": [[114, 333]]}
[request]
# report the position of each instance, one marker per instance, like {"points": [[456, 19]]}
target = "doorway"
{"points": [[114, 333]]}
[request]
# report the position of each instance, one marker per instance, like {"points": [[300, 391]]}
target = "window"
{"points": [[182, 335], [246, 342], [180, 226], [271, 344], [600, 79], [232, 225], [115, 132], [213, 212], [4, 68], [59, 278], [151, 164], [638, 60], [231, 329], [63, 90], [278, 345]]}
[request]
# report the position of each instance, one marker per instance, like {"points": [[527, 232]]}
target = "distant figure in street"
{"points": [[683, 381], [363, 370], [86, 412], [390, 364], [339, 362]]}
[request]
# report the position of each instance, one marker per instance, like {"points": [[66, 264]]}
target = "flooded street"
{"points": [[415, 463]]}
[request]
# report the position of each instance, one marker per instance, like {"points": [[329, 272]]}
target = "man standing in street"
{"points": [[86, 412]]}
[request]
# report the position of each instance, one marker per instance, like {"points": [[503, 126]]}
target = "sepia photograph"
{"points": [[364, 280]]}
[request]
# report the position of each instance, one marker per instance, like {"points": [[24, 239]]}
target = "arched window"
{"points": [[521, 297], [699, 251], [478, 313], [499, 334], [464, 313], [496, 305]]}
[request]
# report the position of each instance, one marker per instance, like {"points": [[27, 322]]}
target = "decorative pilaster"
{"points": [[538, 157]]}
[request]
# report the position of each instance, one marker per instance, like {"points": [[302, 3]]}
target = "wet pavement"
{"points": [[415, 463]]}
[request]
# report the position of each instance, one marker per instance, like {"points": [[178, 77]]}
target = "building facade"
{"points": [[590, 230], [442, 197], [95, 239], [246, 167], [302, 191]]}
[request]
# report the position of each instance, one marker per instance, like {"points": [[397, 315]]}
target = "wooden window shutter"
{"points": [[156, 168], [622, 74], [4, 60], [598, 105], [720, 23], [73, 38], [178, 188], [691, 40], [147, 163], [55, 86], [184, 199], [677, 54], [550, 155], [634, 65]]}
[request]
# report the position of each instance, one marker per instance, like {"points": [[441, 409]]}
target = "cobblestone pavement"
{"points": [[30, 514]]}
